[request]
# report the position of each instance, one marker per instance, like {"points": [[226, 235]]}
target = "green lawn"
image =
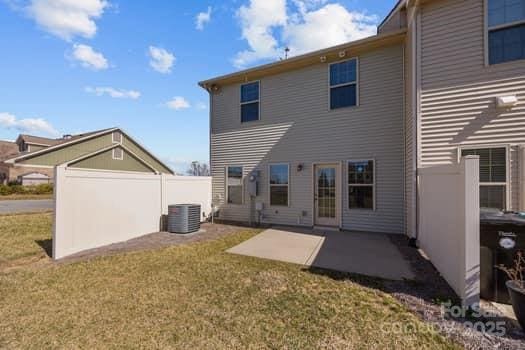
{"points": [[189, 297]]}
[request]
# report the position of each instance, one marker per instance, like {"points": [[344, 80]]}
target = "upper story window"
{"points": [[250, 102], [493, 181], [506, 26], [343, 84]]}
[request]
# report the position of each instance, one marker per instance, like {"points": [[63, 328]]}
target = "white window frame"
{"points": [[113, 137], [227, 185], [507, 168], [373, 184], [356, 83], [274, 185], [488, 29], [258, 101], [121, 154]]}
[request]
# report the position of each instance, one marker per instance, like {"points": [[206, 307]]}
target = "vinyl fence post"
{"points": [[470, 241], [59, 225]]}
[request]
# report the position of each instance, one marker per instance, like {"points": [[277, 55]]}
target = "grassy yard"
{"points": [[23, 238], [191, 296]]}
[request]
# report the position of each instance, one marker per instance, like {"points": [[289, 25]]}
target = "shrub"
{"points": [[6, 190]]}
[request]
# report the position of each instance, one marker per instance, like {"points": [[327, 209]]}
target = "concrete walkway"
{"points": [[371, 254]]}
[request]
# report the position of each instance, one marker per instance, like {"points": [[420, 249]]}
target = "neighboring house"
{"points": [[32, 159], [337, 136]]}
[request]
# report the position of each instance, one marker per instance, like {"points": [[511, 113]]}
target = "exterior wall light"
{"points": [[506, 101]]}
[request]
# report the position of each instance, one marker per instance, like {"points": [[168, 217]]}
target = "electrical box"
{"points": [[253, 183], [259, 206]]}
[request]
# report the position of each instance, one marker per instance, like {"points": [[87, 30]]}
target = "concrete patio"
{"points": [[371, 254]]}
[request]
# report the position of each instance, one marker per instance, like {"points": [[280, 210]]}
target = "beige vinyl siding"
{"points": [[297, 127], [105, 161], [458, 105], [70, 152], [144, 155], [395, 22]]}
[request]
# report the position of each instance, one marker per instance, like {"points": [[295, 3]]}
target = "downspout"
{"points": [[414, 23], [418, 108]]}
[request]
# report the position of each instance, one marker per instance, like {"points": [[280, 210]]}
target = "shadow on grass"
{"points": [[46, 245]]}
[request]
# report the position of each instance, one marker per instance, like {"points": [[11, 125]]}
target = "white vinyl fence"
{"points": [[449, 224], [94, 208]]}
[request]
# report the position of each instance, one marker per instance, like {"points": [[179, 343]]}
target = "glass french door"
{"points": [[326, 196]]}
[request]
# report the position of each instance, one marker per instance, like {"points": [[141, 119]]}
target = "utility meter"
{"points": [[253, 183]]}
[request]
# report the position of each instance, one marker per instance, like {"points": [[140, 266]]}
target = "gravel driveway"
{"points": [[25, 206]]}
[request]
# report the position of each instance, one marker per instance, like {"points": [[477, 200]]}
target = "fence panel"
{"points": [[449, 223], [94, 208]]}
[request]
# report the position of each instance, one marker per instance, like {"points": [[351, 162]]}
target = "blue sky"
{"points": [[69, 66]]}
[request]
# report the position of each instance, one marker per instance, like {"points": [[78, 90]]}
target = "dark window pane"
{"points": [[492, 197], [235, 194], [278, 195], [234, 172], [250, 112], [361, 197], [344, 72], [250, 92], [279, 174], [507, 44], [344, 96], [505, 11], [361, 172]]}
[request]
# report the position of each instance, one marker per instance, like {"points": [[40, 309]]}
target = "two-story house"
{"points": [[336, 137]]}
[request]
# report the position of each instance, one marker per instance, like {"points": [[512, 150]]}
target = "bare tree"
{"points": [[198, 169]]}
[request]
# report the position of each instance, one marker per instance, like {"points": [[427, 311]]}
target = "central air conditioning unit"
{"points": [[184, 218]]}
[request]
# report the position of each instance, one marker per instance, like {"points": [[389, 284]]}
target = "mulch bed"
{"points": [[156, 240], [429, 290]]}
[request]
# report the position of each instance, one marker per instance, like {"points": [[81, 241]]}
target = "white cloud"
{"points": [[89, 58], [178, 103], [28, 125], [330, 25], [201, 106], [303, 25], [202, 18], [161, 60], [258, 20], [67, 18], [112, 92]]}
